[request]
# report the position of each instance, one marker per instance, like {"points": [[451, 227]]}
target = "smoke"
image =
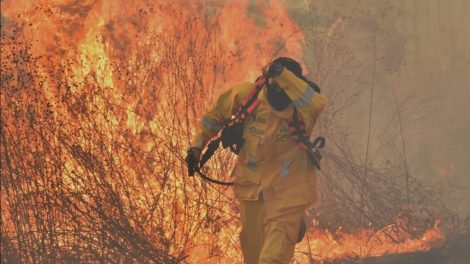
{"points": [[412, 57]]}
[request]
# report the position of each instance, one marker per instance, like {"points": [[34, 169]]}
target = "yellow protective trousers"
{"points": [[266, 240]]}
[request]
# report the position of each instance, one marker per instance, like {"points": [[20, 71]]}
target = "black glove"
{"points": [[192, 159], [232, 136]]}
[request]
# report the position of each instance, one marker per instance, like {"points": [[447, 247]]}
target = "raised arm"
{"points": [[304, 98]]}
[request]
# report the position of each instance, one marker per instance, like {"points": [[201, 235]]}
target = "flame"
{"points": [[326, 246], [121, 83]]}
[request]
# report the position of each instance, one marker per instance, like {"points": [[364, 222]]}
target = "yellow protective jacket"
{"points": [[270, 162]]}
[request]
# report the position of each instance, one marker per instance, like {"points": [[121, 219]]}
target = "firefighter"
{"points": [[274, 179]]}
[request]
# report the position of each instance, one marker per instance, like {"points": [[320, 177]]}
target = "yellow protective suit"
{"points": [[274, 179]]}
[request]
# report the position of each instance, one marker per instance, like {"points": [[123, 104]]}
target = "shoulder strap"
{"points": [[250, 102], [297, 128]]}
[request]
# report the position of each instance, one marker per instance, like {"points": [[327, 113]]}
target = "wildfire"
{"points": [[326, 245], [117, 89]]}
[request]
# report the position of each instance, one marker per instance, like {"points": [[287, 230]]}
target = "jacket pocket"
{"points": [[246, 183]]}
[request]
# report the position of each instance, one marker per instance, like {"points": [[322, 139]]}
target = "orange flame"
{"points": [[325, 245]]}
